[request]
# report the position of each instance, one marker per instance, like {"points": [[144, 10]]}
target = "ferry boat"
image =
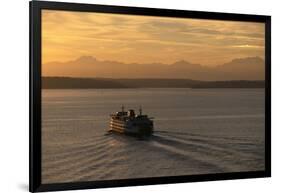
{"points": [[131, 124]]}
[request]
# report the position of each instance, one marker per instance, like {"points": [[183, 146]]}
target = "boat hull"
{"points": [[127, 129]]}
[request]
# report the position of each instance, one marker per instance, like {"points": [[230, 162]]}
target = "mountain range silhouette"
{"points": [[250, 68]]}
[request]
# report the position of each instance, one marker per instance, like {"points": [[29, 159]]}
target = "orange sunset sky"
{"points": [[69, 35]]}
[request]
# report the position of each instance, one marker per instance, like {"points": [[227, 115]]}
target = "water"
{"points": [[197, 131]]}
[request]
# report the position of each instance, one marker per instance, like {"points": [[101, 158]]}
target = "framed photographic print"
{"points": [[124, 96]]}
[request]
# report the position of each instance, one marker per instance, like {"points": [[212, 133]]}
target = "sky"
{"points": [[69, 35]]}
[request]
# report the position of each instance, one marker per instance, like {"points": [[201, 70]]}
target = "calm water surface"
{"points": [[197, 131]]}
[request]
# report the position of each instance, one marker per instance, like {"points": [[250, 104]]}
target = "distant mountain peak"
{"points": [[181, 62], [247, 59], [86, 59]]}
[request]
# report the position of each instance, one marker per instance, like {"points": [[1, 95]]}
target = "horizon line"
{"points": [[71, 77], [154, 62]]}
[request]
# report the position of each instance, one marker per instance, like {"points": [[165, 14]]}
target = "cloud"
{"points": [[68, 35]]}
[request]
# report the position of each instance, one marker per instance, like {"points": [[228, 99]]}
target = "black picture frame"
{"points": [[35, 184]]}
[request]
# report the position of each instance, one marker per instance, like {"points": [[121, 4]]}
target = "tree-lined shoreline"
{"points": [[103, 83]]}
